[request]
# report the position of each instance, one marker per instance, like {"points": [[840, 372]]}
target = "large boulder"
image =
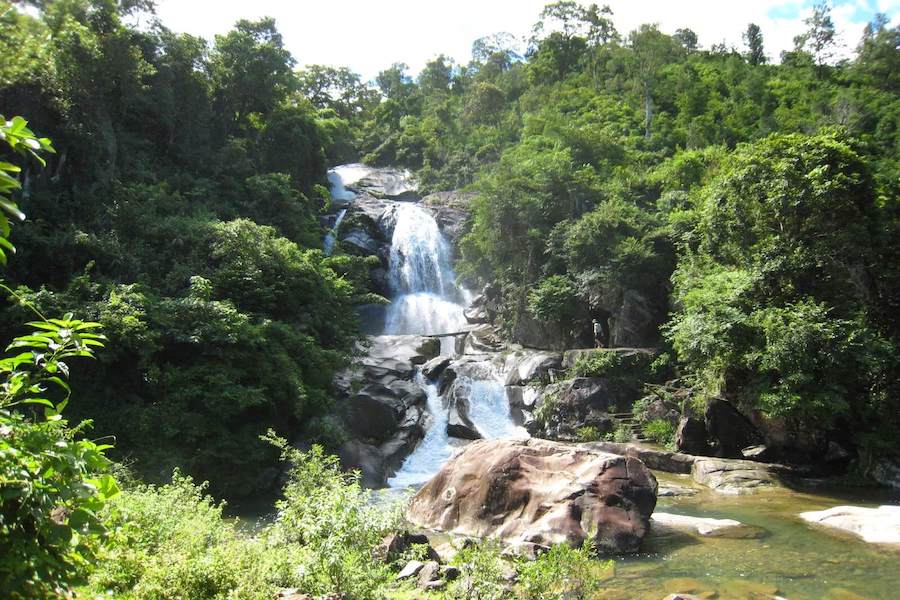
{"points": [[875, 525], [393, 184], [659, 460], [580, 402], [729, 430], [451, 211], [524, 366], [690, 436], [734, 476], [541, 492], [459, 425], [414, 349]]}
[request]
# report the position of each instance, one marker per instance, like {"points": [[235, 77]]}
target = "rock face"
{"points": [[733, 476], [393, 184], [524, 366], [875, 525], [541, 492], [381, 408], [582, 402], [451, 211], [690, 437], [729, 430], [671, 462]]}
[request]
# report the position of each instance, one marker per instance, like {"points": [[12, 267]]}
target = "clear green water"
{"points": [[792, 559]]}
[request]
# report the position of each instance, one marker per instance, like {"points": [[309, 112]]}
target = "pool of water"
{"points": [[792, 559]]}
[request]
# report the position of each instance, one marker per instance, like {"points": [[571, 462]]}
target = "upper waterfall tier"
{"points": [[426, 298]]}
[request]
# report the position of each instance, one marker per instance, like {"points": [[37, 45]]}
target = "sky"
{"points": [[370, 35]]}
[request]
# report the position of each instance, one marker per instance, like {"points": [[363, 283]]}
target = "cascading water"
{"points": [[426, 297], [339, 178]]}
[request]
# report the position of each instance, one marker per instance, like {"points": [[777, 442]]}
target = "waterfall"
{"points": [[338, 179], [426, 300], [426, 297]]}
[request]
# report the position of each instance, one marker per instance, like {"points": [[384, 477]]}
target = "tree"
{"points": [[251, 70], [337, 88], [53, 483], [819, 39], [754, 39], [687, 38]]}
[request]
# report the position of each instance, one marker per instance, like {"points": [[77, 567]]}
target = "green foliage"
{"points": [[621, 434], [53, 484], [660, 431], [563, 572], [22, 141], [553, 298], [588, 433], [482, 570], [172, 541], [326, 513], [608, 363]]}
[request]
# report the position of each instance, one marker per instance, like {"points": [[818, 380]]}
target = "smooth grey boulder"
{"points": [[459, 425], [662, 523], [874, 525]]}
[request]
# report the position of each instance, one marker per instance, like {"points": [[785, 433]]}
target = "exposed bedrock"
{"points": [[541, 492]]}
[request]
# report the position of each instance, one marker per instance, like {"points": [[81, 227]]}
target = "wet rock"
{"points": [[483, 338], [459, 425], [706, 527], [690, 437], [729, 430], [541, 492], [682, 597], [874, 525], [476, 315], [414, 349], [386, 183], [451, 211], [668, 490], [734, 477], [358, 241], [581, 402], [434, 367], [524, 366], [411, 569]]}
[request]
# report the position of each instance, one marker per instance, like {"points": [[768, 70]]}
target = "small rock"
{"points": [[437, 584], [428, 573], [411, 569], [527, 550], [449, 572], [681, 597], [292, 594]]}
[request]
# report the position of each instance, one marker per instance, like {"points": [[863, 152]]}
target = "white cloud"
{"points": [[368, 36]]}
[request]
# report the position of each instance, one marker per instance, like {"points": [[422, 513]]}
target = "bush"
{"points": [[563, 573], [553, 299], [482, 569], [660, 431]]}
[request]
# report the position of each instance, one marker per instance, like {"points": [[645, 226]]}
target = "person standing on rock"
{"points": [[598, 333]]}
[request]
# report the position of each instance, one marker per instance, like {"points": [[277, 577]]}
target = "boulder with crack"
{"points": [[541, 492]]}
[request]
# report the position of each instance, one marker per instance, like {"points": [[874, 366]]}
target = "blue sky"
{"points": [[368, 36]]}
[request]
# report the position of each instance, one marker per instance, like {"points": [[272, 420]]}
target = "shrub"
{"points": [[482, 570], [563, 572], [553, 299], [660, 431]]}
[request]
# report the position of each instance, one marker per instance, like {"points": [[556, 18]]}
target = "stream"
{"points": [[788, 558]]}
